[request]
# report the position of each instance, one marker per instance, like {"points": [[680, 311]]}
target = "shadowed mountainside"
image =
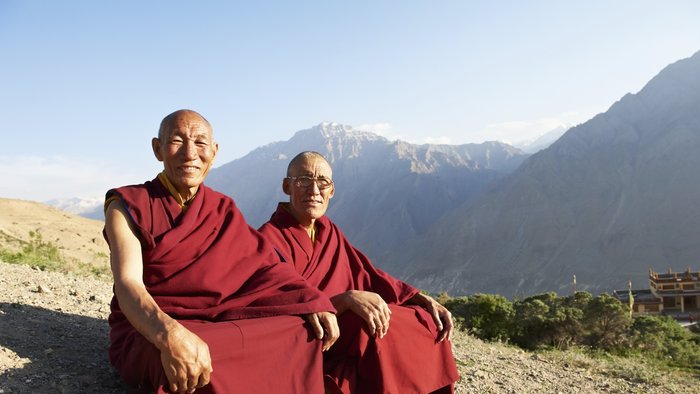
{"points": [[610, 199]]}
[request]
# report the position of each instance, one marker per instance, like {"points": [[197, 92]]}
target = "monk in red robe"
{"points": [[411, 356], [201, 302]]}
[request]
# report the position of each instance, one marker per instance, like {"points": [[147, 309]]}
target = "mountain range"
{"points": [[386, 191], [612, 198]]}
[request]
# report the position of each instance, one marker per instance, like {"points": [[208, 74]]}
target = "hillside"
{"points": [[610, 199], [78, 239]]}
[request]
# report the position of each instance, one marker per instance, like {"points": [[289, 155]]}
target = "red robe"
{"points": [[408, 359], [209, 270]]}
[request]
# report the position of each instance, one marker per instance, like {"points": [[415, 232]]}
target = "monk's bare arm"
{"points": [[368, 305], [441, 316], [184, 355]]}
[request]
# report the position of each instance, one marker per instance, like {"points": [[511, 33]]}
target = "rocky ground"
{"points": [[53, 339]]}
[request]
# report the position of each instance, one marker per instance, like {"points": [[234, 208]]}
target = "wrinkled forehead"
{"points": [[312, 166], [189, 124]]}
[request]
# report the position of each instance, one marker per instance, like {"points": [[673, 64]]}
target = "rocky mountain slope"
{"points": [[386, 191], [612, 198]]}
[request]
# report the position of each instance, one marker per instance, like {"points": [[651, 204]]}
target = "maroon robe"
{"points": [[407, 359], [217, 276]]}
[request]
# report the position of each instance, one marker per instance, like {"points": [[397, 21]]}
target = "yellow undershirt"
{"points": [[184, 204]]}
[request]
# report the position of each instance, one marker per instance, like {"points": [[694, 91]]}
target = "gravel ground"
{"points": [[53, 333], [53, 339]]}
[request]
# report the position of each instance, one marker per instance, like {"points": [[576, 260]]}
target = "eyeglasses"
{"points": [[306, 181]]}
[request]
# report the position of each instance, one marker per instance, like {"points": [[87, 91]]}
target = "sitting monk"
{"points": [[414, 355], [201, 301]]}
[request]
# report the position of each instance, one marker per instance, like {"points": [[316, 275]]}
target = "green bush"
{"points": [[607, 322], [487, 316], [549, 320], [600, 325], [662, 338]]}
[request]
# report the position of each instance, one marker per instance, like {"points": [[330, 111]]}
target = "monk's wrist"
{"points": [[167, 332], [419, 299], [341, 302]]}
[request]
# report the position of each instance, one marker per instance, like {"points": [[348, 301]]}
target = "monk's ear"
{"points": [[332, 193], [286, 186], [155, 144], [214, 150]]}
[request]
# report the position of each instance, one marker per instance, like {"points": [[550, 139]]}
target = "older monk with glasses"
{"points": [[393, 338]]}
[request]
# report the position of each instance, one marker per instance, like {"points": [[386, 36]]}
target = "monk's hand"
{"points": [[325, 326], [371, 308], [441, 316], [186, 360]]}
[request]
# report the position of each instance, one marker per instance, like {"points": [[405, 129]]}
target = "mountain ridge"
{"points": [[610, 199], [387, 190]]}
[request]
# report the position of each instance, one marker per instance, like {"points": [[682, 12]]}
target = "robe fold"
{"points": [[218, 277], [408, 359]]}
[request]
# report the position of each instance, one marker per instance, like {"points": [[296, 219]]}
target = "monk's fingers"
{"points": [[204, 378], [177, 380], [446, 325], [449, 326], [384, 330], [172, 383], [380, 323], [437, 319], [328, 341], [316, 325], [331, 330], [385, 312], [181, 385], [384, 318], [371, 324]]}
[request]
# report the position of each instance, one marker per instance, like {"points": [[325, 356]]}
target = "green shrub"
{"points": [[606, 321], [661, 337], [487, 316], [549, 320]]}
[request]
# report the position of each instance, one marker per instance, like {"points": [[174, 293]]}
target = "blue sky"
{"points": [[84, 84]]}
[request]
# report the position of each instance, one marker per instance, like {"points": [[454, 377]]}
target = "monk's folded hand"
{"points": [[441, 315], [186, 360], [371, 308], [325, 326]]}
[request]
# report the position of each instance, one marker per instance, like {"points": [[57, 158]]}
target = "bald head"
{"points": [[171, 121], [304, 157]]}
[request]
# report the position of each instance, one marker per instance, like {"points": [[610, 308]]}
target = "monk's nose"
{"points": [[314, 187], [190, 150]]}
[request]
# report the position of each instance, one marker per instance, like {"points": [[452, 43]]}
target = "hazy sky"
{"points": [[84, 84]]}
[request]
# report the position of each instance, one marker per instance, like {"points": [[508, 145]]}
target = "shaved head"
{"points": [[186, 147], [304, 157], [309, 186], [170, 121]]}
